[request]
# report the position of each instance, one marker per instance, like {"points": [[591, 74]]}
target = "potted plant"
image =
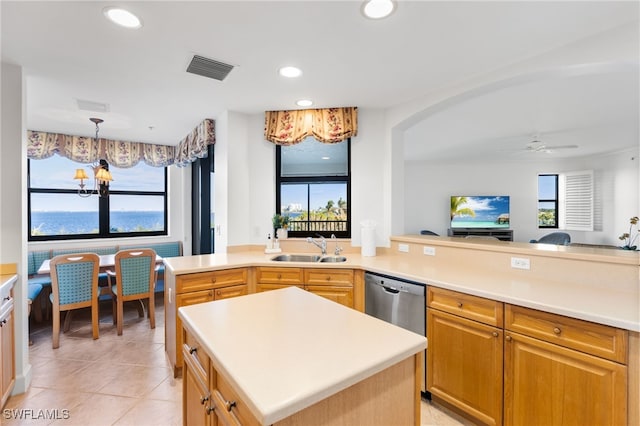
{"points": [[630, 237], [280, 225]]}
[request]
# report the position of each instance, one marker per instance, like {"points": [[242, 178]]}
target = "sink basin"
{"points": [[333, 259], [296, 258]]}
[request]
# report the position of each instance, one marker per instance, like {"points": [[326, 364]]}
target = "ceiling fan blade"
{"points": [[561, 147]]}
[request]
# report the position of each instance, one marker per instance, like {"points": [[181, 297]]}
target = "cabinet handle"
{"points": [[507, 338], [459, 304], [279, 276], [218, 293], [495, 334], [192, 350], [557, 330], [204, 399], [209, 409], [229, 405], [213, 280]]}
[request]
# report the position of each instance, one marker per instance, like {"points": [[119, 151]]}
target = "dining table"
{"points": [[107, 261]]}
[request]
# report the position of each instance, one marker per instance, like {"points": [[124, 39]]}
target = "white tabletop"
{"points": [[106, 261], [284, 350]]}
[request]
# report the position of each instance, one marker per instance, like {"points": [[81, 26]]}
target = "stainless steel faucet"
{"points": [[322, 244], [338, 249]]}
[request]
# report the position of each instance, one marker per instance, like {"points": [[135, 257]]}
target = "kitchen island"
{"points": [[290, 357]]}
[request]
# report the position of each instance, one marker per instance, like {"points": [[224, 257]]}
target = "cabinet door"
{"points": [[231, 291], [7, 375], [464, 365], [342, 295], [549, 384]]}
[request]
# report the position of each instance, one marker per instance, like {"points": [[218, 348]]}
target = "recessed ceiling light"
{"points": [[304, 102], [122, 17], [378, 9], [290, 72]]}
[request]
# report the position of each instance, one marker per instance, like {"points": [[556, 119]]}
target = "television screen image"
{"points": [[479, 211]]}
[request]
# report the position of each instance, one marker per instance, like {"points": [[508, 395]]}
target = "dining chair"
{"points": [[135, 277], [74, 284]]}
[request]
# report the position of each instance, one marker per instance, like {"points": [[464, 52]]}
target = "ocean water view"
{"points": [[60, 223]]}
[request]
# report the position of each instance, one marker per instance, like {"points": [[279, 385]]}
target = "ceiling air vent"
{"points": [[209, 68], [92, 106]]}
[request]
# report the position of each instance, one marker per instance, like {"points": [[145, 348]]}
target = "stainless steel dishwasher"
{"points": [[398, 301]]}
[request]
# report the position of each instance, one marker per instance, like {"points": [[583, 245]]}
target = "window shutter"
{"points": [[578, 201]]}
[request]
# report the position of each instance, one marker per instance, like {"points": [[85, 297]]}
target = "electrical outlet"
{"points": [[404, 248], [429, 251], [520, 263]]}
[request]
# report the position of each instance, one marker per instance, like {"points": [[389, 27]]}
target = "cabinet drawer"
{"points": [[471, 307], [595, 339], [229, 408], [196, 357], [333, 277], [231, 291], [279, 275], [208, 280]]}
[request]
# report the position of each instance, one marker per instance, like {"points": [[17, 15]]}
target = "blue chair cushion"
{"points": [[42, 280], [33, 290]]}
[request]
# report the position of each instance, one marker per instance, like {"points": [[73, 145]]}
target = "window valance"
{"points": [[122, 154], [329, 125]]}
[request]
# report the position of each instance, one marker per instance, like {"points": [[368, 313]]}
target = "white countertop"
{"points": [[609, 303], [285, 350]]}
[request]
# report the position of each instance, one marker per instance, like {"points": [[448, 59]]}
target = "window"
{"points": [[313, 188], [136, 205], [565, 201], [548, 201]]}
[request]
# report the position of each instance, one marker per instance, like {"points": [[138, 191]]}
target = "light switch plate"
{"points": [[429, 251], [404, 248]]}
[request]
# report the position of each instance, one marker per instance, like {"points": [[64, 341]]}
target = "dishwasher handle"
{"points": [[390, 289]]}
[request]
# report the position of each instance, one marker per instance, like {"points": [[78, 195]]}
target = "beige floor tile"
{"points": [[153, 413], [102, 410], [169, 390]]}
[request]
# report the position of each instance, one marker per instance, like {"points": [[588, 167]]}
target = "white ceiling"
{"points": [[69, 51]]}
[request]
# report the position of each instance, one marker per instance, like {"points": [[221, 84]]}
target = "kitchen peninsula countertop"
{"points": [[285, 350], [601, 299]]}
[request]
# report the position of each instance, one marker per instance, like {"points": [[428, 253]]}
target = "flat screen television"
{"points": [[473, 211]]}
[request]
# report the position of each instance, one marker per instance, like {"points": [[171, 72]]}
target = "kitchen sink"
{"points": [[308, 258], [333, 259], [297, 258]]}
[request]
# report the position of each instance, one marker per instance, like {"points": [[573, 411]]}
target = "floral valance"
{"points": [[122, 154], [329, 125]]}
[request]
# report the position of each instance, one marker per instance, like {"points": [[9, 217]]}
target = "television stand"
{"points": [[501, 234]]}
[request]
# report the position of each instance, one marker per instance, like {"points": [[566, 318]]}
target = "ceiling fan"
{"points": [[537, 145]]}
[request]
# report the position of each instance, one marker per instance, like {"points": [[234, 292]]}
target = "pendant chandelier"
{"points": [[101, 174]]}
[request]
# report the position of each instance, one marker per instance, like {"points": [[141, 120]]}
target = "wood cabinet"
{"points": [[563, 371], [518, 366], [333, 284], [190, 289], [465, 353], [7, 346]]}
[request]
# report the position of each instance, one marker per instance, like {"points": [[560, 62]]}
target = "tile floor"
{"points": [[115, 380]]}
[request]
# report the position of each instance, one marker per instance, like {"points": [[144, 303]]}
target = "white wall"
{"points": [[431, 185], [13, 205]]}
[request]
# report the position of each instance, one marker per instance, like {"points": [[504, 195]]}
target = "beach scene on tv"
{"points": [[480, 212]]}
